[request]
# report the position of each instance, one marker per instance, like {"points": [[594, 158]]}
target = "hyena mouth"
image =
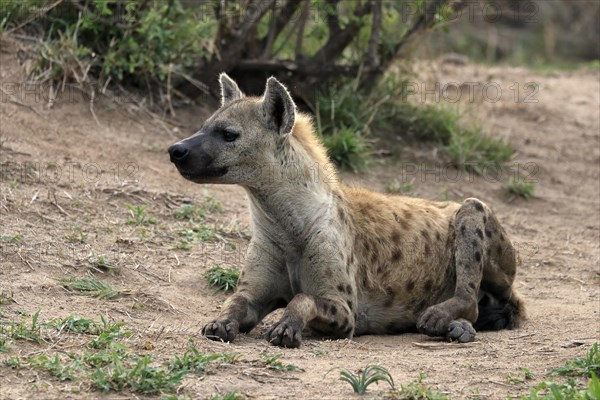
{"points": [[204, 173]]}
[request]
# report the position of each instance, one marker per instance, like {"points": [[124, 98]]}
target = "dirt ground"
{"points": [[66, 181]]}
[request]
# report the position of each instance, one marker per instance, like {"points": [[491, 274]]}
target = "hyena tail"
{"points": [[495, 314]]}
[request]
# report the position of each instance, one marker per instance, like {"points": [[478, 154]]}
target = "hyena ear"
{"points": [[229, 89], [278, 107]]}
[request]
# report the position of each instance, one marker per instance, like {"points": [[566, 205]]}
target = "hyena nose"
{"points": [[178, 152]]}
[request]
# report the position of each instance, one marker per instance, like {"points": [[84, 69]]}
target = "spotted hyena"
{"points": [[343, 261]]}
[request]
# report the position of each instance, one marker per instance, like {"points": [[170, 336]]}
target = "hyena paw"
{"points": [[435, 321], [285, 333], [461, 331], [221, 329]]}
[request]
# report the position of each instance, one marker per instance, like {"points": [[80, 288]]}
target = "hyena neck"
{"points": [[296, 197]]}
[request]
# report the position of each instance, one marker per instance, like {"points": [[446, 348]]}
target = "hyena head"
{"points": [[240, 138]]}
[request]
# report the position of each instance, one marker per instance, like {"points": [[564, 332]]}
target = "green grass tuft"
{"points": [[566, 391], [138, 216], [54, 366], [222, 278], [415, 391], [272, 362], [139, 376], [584, 366], [15, 239], [108, 334], [361, 380], [22, 330], [520, 187], [89, 287], [75, 324], [348, 149], [231, 395], [395, 186]]}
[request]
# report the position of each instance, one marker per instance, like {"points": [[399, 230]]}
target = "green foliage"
{"points": [[348, 149], [89, 287], [584, 366], [196, 213], [14, 239], [199, 233], [414, 391], [361, 380], [4, 343], [397, 187], [75, 324], [222, 278], [272, 362], [5, 298], [231, 395], [346, 116], [520, 187], [140, 376], [141, 42], [108, 335], [471, 150], [54, 366], [138, 216], [565, 391], [22, 330]]}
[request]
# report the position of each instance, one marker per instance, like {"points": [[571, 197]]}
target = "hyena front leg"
{"points": [[261, 288], [454, 317], [326, 300]]}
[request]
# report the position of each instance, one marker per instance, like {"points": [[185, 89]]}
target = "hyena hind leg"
{"points": [[500, 306], [453, 318]]}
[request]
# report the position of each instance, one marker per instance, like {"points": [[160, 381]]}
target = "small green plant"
{"points": [[199, 233], [23, 331], [78, 236], [348, 149], [528, 374], [13, 362], [75, 324], [272, 362], [414, 391], [4, 343], [583, 366], [396, 186], [186, 211], [15, 239], [520, 187], [5, 298], [470, 150], [361, 380], [222, 278], [89, 287], [108, 335], [196, 213], [138, 216], [138, 375], [231, 395], [192, 361], [54, 367], [566, 391]]}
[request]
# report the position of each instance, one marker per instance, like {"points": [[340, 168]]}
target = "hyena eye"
{"points": [[230, 136]]}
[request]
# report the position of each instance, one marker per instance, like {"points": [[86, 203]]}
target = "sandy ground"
{"points": [[63, 175]]}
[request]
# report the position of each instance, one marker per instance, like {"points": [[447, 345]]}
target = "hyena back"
{"points": [[343, 261]]}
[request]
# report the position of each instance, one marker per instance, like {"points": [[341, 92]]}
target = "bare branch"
{"points": [[301, 27], [280, 22]]}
